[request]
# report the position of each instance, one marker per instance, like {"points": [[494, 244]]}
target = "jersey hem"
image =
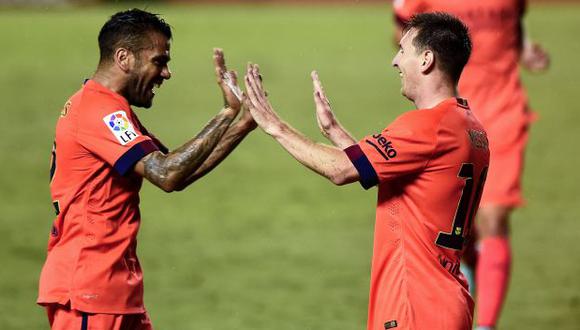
{"points": [[88, 309]]}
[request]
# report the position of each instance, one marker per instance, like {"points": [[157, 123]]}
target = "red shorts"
{"points": [[63, 318], [503, 186]]}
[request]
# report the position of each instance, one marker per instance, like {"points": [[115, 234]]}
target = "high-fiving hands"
{"points": [[324, 115], [328, 161], [233, 95], [228, 81], [257, 101], [329, 125], [263, 113]]}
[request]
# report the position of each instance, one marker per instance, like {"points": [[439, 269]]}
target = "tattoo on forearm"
{"points": [[230, 140], [154, 169], [175, 167]]}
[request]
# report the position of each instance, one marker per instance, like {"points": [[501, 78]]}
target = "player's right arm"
{"points": [[328, 161], [181, 167], [329, 125], [170, 171]]}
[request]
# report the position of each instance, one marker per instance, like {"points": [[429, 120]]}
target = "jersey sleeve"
{"points": [[403, 148], [404, 9], [114, 136]]}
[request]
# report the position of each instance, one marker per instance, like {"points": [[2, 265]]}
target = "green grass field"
{"points": [[262, 243]]}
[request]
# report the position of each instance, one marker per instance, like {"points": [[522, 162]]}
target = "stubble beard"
{"points": [[137, 95]]}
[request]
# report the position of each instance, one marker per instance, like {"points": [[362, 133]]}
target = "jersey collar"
{"points": [[95, 86], [460, 102]]}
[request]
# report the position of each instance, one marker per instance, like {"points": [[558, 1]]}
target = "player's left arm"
{"points": [[328, 161], [329, 125], [533, 56]]}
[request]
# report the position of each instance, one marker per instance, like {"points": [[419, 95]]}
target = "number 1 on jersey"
{"points": [[464, 215]]}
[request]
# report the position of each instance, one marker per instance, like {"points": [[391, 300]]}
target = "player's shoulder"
{"points": [[456, 115], [96, 103], [458, 119], [452, 114], [419, 124], [426, 118], [97, 96]]}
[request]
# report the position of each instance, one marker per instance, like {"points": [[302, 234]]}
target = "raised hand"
{"points": [[329, 125], [228, 81], [324, 115], [534, 58], [257, 101]]}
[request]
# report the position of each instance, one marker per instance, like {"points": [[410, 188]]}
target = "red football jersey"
{"points": [[430, 166], [92, 262]]}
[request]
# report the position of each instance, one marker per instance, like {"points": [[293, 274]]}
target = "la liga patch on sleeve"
{"points": [[121, 127]]}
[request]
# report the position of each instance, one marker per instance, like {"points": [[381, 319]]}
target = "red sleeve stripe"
{"points": [[133, 155], [368, 176]]}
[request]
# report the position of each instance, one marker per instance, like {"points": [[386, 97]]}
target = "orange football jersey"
{"points": [[430, 166], [491, 82], [491, 79], [91, 261]]}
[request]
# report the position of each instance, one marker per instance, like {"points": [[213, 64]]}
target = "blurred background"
{"points": [[261, 242]]}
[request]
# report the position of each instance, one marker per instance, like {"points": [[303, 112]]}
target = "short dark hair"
{"points": [[446, 36], [130, 29]]}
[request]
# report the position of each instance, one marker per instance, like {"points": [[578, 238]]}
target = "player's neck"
{"points": [[108, 79], [431, 94]]}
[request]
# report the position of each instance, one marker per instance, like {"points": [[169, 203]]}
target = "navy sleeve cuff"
{"points": [[368, 176], [133, 155]]}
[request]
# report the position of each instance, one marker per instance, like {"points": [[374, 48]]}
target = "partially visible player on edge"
{"points": [[430, 166], [491, 83], [92, 278]]}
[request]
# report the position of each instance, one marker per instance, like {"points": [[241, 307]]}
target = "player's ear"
{"points": [[124, 59], [428, 61]]}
